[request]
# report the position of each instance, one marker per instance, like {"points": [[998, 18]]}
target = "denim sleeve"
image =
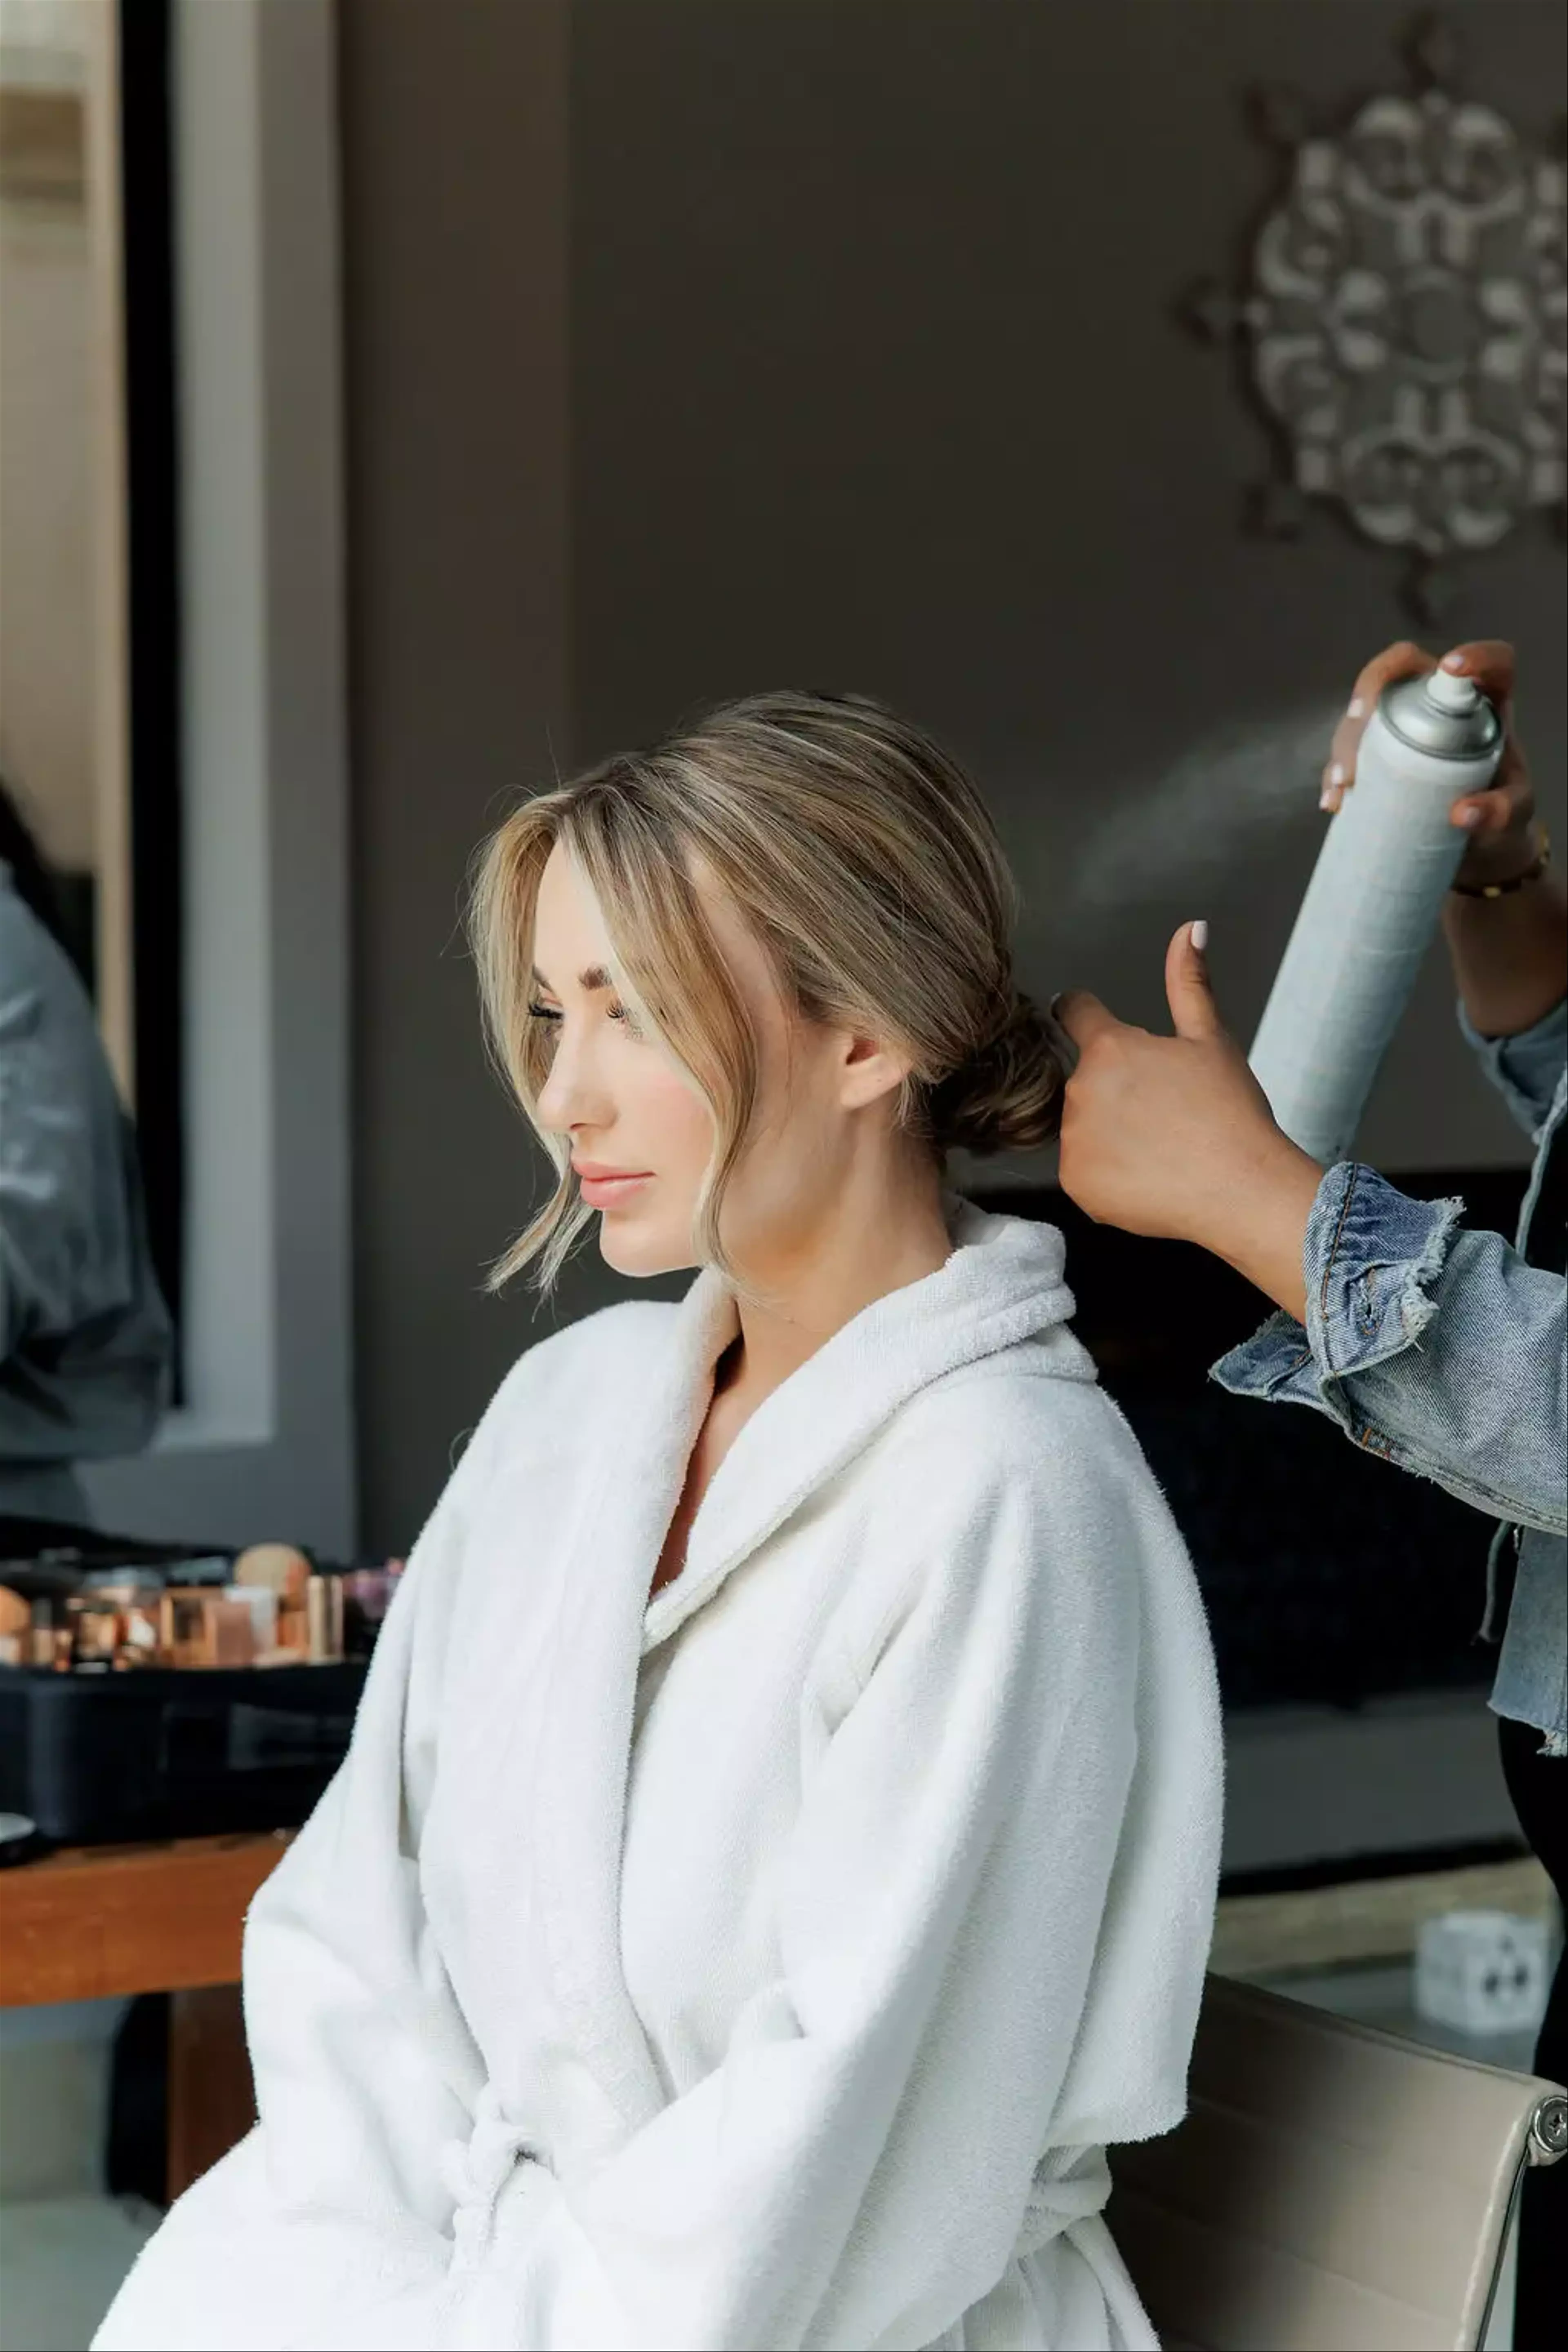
{"points": [[1438, 1348], [1526, 1070]]}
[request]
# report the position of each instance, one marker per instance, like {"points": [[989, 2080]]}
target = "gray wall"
{"points": [[860, 371], [454, 133]]}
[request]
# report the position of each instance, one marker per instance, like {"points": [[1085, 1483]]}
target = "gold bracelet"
{"points": [[1531, 873]]}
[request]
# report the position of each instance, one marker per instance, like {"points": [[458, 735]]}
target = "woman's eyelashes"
{"points": [[553, 1015]]}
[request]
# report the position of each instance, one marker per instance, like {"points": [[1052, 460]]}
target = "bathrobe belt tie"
{"points": [[476, 2169], [1078, 2194]]}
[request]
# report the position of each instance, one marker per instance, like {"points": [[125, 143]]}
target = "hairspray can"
{"points": [[1371, 907]]}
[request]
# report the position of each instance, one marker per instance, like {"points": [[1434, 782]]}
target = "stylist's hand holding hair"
{"points": [[1174, 1136]]}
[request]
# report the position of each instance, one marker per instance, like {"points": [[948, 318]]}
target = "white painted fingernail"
{"points": [[1357, 708], [1325, 798], [1336, 774], [1198, 933]]}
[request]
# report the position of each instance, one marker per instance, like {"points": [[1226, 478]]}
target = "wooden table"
{"points": [[88, 1922]]}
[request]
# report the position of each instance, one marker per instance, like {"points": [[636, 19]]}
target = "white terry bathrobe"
{"points": [[767, 1966]]}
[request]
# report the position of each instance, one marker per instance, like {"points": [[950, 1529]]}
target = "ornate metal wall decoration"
{"points": [[1401, 321]]}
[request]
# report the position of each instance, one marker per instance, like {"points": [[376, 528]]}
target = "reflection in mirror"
{"points": [[53, 472], [89, 673]]}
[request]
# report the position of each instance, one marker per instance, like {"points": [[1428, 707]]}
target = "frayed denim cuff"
{"points": [[1372, 1258]]}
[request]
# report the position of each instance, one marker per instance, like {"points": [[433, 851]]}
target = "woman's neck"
{"points": [[844, 1266]]}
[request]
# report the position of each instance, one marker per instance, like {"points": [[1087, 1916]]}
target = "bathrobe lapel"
{"points": [[828, 1410], [578, 1807]]}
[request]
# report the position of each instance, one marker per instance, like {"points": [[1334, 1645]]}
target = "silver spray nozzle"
{"points": [[1443, 716]]}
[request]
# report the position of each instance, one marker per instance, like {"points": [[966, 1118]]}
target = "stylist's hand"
{"points": [[1501, 822], [1174, 1136]]}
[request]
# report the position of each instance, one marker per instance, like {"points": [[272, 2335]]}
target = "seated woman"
{"points": [[778, 1847]]}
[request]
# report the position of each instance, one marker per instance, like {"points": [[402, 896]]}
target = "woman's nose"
{"points": [[571, 1096]]}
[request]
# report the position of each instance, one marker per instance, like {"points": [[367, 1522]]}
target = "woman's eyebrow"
{"points": [[595, 978]]}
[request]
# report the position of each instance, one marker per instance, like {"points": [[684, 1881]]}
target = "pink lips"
{"points": [[606, 1188]]}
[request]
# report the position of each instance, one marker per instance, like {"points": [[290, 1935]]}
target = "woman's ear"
{"points": [[869, 1070]]}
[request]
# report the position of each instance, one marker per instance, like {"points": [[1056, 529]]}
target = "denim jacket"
{"points": [[1444, 1351]]}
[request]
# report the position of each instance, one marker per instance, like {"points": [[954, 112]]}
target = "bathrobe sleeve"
{"points": [[857, 2169]]}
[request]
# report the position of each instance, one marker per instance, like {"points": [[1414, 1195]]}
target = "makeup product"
{"points": [[1372, 907], [324, 1619], [49, 1640], [228, 1632], [205, 1627], [261, 1601], [139, 1635], [293, 1629], [283, 1568], [97, 1633], [283, 1571], [179, 1638]]}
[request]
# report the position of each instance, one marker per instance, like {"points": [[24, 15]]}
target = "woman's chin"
{"points": [[639, 1255]]}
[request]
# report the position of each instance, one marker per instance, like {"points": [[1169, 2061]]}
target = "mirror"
{"points": [[89, 729]]}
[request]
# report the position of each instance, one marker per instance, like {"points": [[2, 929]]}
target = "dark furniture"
{"points": [[1330, 1577]]}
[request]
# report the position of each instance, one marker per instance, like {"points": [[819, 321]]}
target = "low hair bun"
{"points": [[1008, 1095]]}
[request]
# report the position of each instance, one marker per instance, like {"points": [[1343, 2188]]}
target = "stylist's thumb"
{"points": [[1187, 989]]}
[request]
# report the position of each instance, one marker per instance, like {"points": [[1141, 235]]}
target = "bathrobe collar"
{"points": [[1003, 1284]]}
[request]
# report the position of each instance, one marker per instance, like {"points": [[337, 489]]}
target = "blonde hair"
{"points": [[864, 862]]}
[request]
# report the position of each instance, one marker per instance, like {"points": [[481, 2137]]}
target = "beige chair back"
{"points": [[1332, 2189]]}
